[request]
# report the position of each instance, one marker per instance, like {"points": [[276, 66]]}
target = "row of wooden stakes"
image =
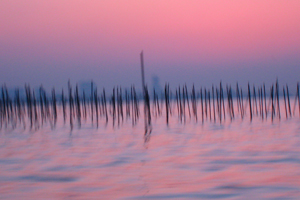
{"points": [[214, 104]]}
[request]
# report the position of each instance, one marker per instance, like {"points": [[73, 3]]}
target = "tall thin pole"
{"points": [[143, 73], [147, 114]]}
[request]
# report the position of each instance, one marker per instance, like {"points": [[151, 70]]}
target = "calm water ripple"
{"points": [[232, 160]]}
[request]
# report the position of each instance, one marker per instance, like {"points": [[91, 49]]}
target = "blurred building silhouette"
{"points": [[156, 84]]}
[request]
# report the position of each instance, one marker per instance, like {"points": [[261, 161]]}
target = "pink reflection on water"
{"points": [[232, 160]]}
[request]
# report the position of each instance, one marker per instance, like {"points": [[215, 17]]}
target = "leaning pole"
{"points": [[147, 114], [143, 73]]}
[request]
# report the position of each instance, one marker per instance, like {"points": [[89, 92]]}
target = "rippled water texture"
{"points": [[232, 160]]}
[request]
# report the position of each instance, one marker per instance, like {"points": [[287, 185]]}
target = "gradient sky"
{"points": [[188, 41]]}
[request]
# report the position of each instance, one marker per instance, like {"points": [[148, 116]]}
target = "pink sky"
{"points": [[199, 41]]}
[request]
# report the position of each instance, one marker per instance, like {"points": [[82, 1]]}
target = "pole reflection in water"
{"points": [[147, 116], [147, 135]]}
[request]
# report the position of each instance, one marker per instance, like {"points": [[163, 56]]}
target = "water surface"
{"points": [[229, 160]]}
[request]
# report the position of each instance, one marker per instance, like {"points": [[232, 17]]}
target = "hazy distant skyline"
{"points": [[194, 41]]}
